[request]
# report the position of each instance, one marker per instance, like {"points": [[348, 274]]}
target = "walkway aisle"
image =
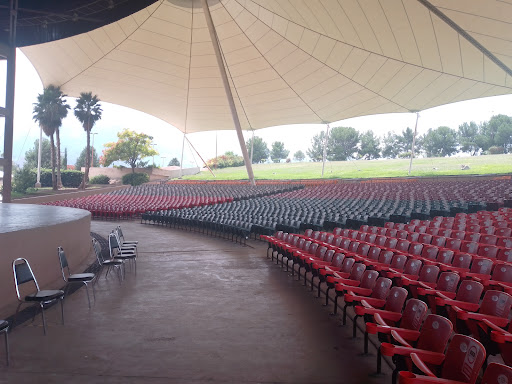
{"points": [[199, 310]]}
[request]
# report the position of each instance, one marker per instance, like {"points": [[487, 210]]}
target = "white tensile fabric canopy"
{"points": [[288, 61]]}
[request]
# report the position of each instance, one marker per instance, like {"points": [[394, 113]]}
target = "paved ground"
{"points": [[199, 310]]}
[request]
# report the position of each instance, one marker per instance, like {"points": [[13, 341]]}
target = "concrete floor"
{"points": [[199, 310]]}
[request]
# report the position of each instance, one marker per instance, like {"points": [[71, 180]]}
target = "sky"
{"points": [[169, 139]]}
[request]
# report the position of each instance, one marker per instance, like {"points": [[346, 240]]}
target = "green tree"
{"points": [[64, 164], [46, 155], [369, 147], [468, 137], [260, 150], [440, 142], [299, 155], [392, 148], [342, 143], [278, 152], [88, 112], [174, 162], [316, 152], [499, 132], [49, 111], [81, 159], [131, 148]]}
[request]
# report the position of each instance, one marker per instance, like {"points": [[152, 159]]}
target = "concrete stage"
{"points": [[34, 232]]}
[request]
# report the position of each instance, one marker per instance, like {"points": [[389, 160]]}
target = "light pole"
{"points": [[153, 145], [163, 158], [38, 181], [92, 149]]}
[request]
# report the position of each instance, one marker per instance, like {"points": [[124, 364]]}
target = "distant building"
{"points": [[71, 167]]}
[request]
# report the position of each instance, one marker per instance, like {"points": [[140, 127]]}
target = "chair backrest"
{"points": [[497, 374], [373, 253], [413, 315], [396, 299], [382, 288], [312, 248], [415, 249], [402, 234], [488, 239], [429, 273], [329, 238], [470, 291], [496, 303], [482, 266], [308, 232], [328, 255], [463, 359], [380, 240], [425, 238], [439, 241], [453, 244], [22, 274], [458, 235], [391, 242], [348, 263], [430, 252], [462, 260], [64, 266], [337, 260], [300, 243], [435, 333], [337, 241], [345, 243], [320, 252], [353, 246], [468, 247], [369, 279], [488, 251], [398, 261], [448, 282], [370, 238], [413, 236], [445, 256], [363, 249], [502, 272], [413, 267], [505, 254], [356, 273], [472, 236]]}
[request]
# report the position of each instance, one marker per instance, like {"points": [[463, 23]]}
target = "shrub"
{"points": [[24, 178], [100, 179], [229, 159], [71, 179], [494, 150], [135, 179]]}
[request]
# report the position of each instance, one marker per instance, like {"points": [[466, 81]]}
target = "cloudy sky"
{"points": [[169, 139]]}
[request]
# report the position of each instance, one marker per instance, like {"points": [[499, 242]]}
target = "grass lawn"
{"points": [[478, 165]]}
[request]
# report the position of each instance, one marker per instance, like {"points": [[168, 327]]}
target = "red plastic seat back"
{"points": [[432, 231], [363, 249], [469, 247], [345, 243], [386, 257], [435, 333], [482, 266], [502, 272], [391, 232], [337, 260], [464, 359], [413, 237], [462, 260], [402, 245], [472, 236], [369, 279], [380, 240], [396, 299], [413, 315], [300, 244], [312, 248], [429, 273], [353, 246], [430, 252], [453, 244], [448, 282], [337, 231], [402, 234], [322, 237], [438, 241], [373, 253], [488, 230], [398, 261], [503, 232], [470, 291], [458, 234], [505, 254], [320, 252], [425, 238], [315, 235], [337, 241], [356, 273], [497, 374], [496, 303], [370, 238], [391, 242], [329, 238], [413, 267], [489, 251], [308, 232], [329, 255], [382, 288], [488, 239], [415, 249], [347, 264], [504, 242], [306, 246], [444, 232], [361, 236], [382, 231]]}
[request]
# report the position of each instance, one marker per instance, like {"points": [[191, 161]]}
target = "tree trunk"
{"points": [[87, 159], [54, 180], [59, 179]]}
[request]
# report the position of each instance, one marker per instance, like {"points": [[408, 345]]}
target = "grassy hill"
{"points": [[493, 164]]}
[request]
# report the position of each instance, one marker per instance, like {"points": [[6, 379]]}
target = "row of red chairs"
{"points": [[367, 289]]}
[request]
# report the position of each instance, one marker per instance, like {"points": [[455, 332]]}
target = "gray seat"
{"points": [[109, 263], [23, 275], [74, 278]]}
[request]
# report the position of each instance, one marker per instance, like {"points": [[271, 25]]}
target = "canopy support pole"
{"points": [[227, 88], [9, 103], [204, 162], [38, 180], [413, 142], [252, 145], [324, 157], [182, 150]]}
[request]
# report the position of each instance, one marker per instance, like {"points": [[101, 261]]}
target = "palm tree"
{"points": [[49, 111], [87, 111]]}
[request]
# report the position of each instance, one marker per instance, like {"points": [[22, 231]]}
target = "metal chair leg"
{"points": [[87, 291], [7, 346], [44, 318]]}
